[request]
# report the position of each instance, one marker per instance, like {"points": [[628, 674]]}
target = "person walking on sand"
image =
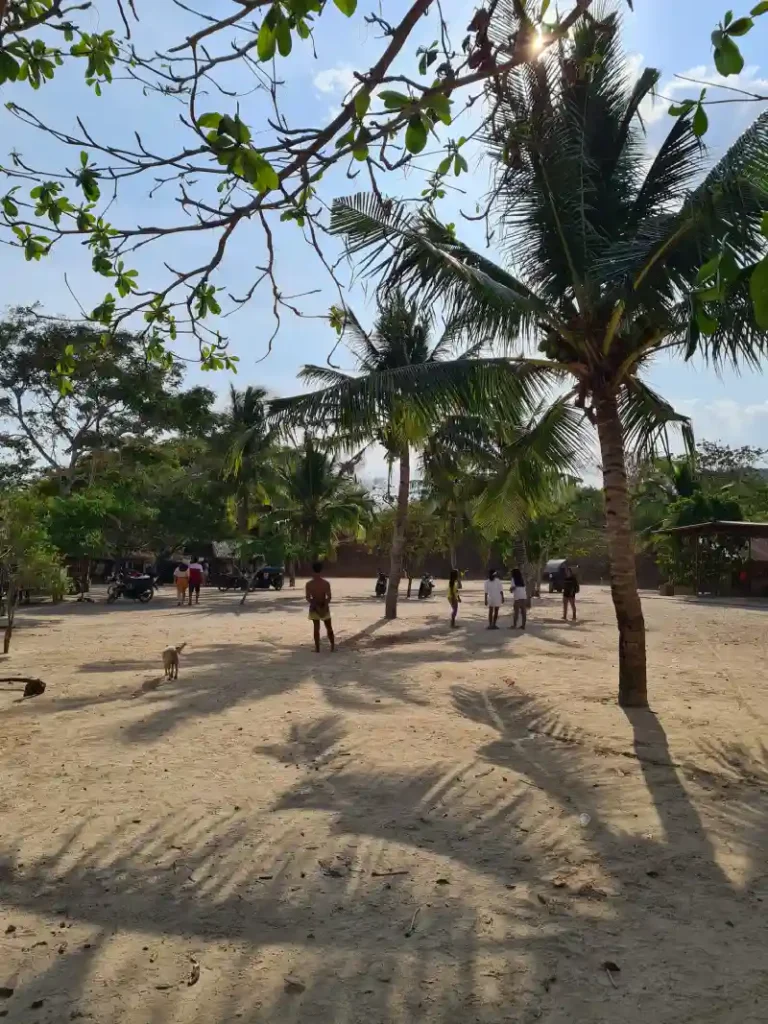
{"points": [[519, 599], [494, 598], [454, 598], [181, 579], [570, 590], [195, 573], [318, 594]]}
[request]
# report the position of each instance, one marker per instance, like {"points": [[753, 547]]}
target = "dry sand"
{"points": [[429, 826]]}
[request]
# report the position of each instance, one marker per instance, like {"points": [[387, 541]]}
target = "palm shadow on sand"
{"points": [[520, 904]]}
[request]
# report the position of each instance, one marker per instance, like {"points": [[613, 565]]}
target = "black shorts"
{"points": [[194, 587]]}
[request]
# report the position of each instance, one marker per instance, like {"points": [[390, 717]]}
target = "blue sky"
{"points": [[671, 35]]}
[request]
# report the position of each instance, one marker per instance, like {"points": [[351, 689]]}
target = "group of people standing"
{"points": [[494, 597], [188, 579]]}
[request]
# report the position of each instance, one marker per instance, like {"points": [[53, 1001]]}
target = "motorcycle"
{"points": [[426, 586], [381, 584], [230, 581], [268, 576], [137, 588]]}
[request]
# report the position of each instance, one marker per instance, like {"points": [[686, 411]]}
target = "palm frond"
{"points": [[425, 392], [671, 172], [417, 253], [358, 341], [646, 418], [663, 257], [562, 135]]}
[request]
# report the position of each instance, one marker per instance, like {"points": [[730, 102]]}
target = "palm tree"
{"points": [[316, 502], [247, 446], [405, 382], [612, 258], [500, 473]]}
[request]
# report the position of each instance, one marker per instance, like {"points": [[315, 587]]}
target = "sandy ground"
{"points": [[430, 825]]}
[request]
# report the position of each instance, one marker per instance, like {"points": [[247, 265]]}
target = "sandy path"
{"points": [[247, 817]]}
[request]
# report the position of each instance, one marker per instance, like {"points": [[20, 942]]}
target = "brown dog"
{"points": [[171, 661]]}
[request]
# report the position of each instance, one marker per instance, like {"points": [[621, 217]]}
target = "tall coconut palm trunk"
{"points": [[621, 550], [520, 556], [398, 534]]}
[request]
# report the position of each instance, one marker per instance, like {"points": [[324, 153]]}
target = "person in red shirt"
{"points": [[195, 580]]}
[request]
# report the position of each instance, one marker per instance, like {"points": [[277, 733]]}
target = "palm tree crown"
{"points": [[247, 446], [317, 501]]}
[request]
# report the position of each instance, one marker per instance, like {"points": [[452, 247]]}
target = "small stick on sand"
{"points": [[388, 874], [412, 927]]}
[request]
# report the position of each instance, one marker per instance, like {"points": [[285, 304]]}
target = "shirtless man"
{"points": [[319, 599]]}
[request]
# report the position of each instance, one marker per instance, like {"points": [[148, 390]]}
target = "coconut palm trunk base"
{"points": [[633, 688], [621, 549], [398, 536]]}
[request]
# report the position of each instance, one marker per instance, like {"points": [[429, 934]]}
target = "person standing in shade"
{"points": [[318, 593], [195, 580], [454, 598], [181, 579], [520, 600], [570, 590], [494, 598]]}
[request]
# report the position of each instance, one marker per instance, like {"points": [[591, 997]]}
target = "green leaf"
{"points": [[680, 109], [728, 58], [740, 27], [345, 140], [362, 103], [394, 100], [758, 290], [347, 7], [761, 8], [707, 324], [729, 269], [210, 120], [415, 135], [544, 9], [441, 105], [10, 209], [709, 269], [445, 165], [728, 18], [700, 121], [9, 68], [265, 43], [284, 41], [764, 222], [268, 179]]}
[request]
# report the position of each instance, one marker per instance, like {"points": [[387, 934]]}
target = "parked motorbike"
{"points": [[268, 576], [230, 581], [381, 584], [137, 588], [426, 586]]}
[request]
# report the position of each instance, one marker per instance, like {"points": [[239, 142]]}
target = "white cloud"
{"points": [[335, 80], [635, 64], [726, 419], [654, 108]]}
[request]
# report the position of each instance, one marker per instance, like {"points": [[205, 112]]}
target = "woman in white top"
{"points": [[494, 598], [520, 598], [181, 578]]}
